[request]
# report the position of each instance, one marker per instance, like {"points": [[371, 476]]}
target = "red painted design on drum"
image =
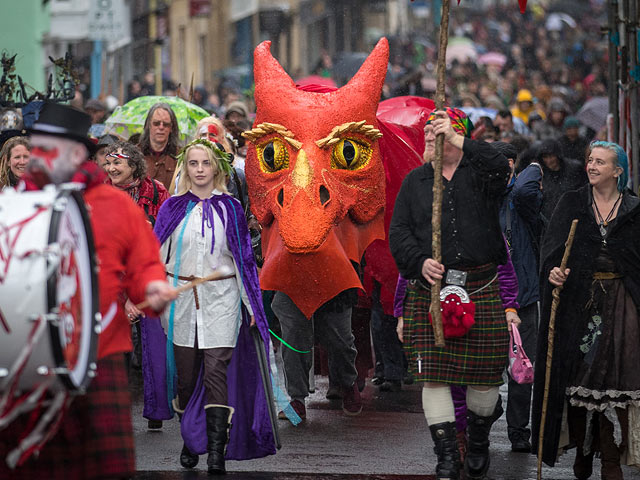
{"points": [[4, 323], [70, 310], [48, 155], [7, 244]]}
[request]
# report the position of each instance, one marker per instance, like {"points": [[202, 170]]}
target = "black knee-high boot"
{"points": [[218, 424], [476, 462], [446, 448], [187, 459], [610, 452], [577, 420]]}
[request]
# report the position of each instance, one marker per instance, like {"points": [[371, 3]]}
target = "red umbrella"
{"points": [[316, 80]]}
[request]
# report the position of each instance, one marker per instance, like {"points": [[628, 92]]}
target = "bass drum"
{"points": [[49, 311]]}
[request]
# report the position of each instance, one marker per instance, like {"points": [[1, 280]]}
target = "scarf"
{"points": [[132, 188]]}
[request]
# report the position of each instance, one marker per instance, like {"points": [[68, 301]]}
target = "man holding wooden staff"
{"points": [[474, 177]]}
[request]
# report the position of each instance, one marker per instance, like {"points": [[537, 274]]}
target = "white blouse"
{"points": [[218, 316]]}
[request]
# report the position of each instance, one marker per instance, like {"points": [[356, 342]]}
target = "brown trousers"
{"points": [[190, 360]]}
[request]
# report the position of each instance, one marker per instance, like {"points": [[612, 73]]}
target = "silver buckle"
{"points": [[456, 277]]}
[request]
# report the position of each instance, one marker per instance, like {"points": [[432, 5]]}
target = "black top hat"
{"points": [[62, 121]]}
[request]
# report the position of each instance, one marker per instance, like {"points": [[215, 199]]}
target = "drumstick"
{"points": [[216, 275]]}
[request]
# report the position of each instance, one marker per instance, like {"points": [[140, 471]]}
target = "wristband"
{"points": [[512, 310]]}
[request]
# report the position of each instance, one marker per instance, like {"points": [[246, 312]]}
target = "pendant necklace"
{"points": [[604, 223]]}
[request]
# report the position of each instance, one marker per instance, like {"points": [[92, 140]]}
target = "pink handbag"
{"points": [[520, 367]]}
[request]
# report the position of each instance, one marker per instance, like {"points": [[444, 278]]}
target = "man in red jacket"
{"points": [[96, 435]]}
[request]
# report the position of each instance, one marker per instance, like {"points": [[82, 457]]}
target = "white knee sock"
{"points": [[482, 402], [438, 405]]}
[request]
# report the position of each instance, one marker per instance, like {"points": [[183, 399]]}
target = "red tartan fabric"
{"points": [[478, 358], [95, 439], [147, 195]]}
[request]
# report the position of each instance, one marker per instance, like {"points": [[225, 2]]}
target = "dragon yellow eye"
{"points": [[350, 154], [273, 156]]}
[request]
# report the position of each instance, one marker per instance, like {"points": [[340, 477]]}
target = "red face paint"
{"points": [[212, 131], [48, 155]]}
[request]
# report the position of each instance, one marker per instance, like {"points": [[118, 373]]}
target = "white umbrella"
{"points": [[461, 52], [555, 22], [594, 112]]}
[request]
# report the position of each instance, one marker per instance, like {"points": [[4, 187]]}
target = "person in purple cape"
{"points": [[204, 338]]}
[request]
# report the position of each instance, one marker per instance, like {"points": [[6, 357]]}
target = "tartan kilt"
{"points": [[95, 439], [477, 358]]}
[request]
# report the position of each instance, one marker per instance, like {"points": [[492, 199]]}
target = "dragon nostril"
{"points": [[324, 195], [280, 197]]}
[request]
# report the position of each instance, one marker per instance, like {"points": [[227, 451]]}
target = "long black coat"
{"points": [[624, 247]]}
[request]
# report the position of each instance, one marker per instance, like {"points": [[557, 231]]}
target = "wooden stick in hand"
{"points": [[550, 341], [436, 210]]}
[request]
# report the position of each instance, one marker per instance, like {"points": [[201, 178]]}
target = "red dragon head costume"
{"points": [[316, 179]]}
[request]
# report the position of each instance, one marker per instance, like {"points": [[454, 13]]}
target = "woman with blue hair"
{"points": [[594, 390]]}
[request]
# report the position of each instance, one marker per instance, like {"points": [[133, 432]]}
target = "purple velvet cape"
{"points": [[251, 435]]}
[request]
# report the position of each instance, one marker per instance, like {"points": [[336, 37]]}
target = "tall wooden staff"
{"points": [[191, 88], [550, 340], [436, 211]]}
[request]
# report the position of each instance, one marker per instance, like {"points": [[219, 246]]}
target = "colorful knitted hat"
{"points": [[459, 121]]}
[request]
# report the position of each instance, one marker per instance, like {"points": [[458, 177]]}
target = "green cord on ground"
{"points": [[287, 345]]}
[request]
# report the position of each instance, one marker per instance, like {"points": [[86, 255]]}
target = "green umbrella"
{"points": [[129, 119]]}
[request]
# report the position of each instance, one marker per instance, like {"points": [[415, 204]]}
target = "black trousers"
{"points": [[387, 346], [519, 398]]}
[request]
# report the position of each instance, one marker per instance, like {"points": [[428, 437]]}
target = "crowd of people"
{"points": [[518, 202]]}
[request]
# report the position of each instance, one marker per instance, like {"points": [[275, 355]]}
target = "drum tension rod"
{"points": [[54, 318], [44, 370]]}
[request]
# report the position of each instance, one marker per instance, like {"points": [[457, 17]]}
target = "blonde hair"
{"points": [[5, 156], [219, 176], [222, 135]]}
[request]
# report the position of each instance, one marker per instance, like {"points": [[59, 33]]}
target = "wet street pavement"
{"points": [[388, 441]]}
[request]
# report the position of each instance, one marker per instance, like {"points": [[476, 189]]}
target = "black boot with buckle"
{"points": [[218, 424], [476, 463], [446, 449]]}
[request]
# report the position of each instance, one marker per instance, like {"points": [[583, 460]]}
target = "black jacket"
{"points": [[623, 242], [471, 234], [556, 183]]}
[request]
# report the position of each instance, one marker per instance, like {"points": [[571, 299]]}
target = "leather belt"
{"points": [[606, 275]]}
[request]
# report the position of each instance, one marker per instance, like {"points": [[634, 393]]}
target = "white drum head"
{"points": [[48, 291]]}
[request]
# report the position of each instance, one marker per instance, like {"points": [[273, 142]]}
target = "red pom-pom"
{"points": [[453, 312]]}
